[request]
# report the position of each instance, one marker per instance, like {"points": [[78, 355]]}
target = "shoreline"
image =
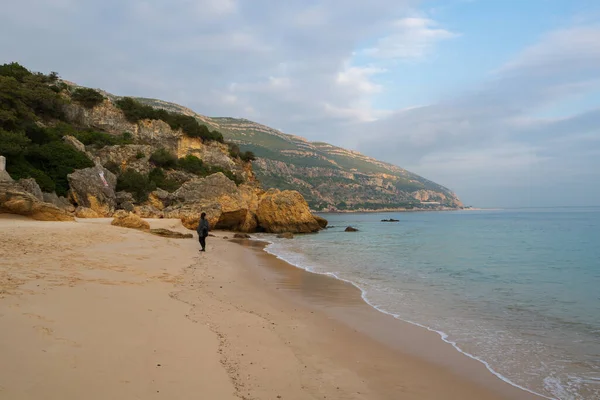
{"points": [[403, 210], [92, 311], [441, 335]]}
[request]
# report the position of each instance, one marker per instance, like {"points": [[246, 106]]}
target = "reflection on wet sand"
{"points": [[320, 290]]}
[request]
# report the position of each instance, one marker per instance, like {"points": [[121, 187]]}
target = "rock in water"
{"points": [[350, 229], [285, 211], [171, 234], [286, 235], [89, 190], [241, 236], [16, 200], [321, 221], [390, 220], [130, 221]]}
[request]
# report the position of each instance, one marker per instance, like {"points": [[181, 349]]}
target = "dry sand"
{"points": [[92, 311]]}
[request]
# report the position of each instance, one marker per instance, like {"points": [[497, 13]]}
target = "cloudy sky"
{"points": [[497, 99]]}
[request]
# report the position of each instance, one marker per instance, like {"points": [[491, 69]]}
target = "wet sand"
{"points": [[92, 311]]}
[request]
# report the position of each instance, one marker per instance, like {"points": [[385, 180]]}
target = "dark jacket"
{"points": [[202, 227]]}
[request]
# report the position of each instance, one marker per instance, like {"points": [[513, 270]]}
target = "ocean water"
{"points": [[518, 290]]}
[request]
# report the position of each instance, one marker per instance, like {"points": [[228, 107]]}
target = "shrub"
{"points": [[234, 150], [163, 158], [15, 70], [57, 160], [157, 175], [89, 98], [247, 156], [13, 144], [99, 139], [191, 164], [137, 184], [135, 111], [139, 155]]}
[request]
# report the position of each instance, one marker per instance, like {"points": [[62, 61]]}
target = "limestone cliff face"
{"points": [[245, 208], [148, 136]]}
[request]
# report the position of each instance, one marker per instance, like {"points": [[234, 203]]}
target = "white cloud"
{"points": [[411, 38]]}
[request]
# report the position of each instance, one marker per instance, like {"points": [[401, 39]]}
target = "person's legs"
{"points": [[202, 243]]}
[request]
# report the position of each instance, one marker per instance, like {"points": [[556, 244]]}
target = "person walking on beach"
{"points": [[202, 231]]}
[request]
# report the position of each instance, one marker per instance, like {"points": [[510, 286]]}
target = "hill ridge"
{"points": [[329, 176]]}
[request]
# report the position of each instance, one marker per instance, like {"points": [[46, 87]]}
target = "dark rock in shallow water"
{"points": [[350, 229], [390, 220], [241, 236]]}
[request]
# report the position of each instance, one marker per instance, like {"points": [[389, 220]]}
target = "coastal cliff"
{"points": [[329, 177], [87, 153]]}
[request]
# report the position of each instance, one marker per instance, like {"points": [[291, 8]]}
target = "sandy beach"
{"points": [[88, 310]]}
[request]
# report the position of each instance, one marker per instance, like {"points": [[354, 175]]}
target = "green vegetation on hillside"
{"points": [[28, 102], [135, 111], [89, 98]]}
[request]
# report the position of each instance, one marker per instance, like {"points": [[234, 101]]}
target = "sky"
{"points": [[498, 100]]}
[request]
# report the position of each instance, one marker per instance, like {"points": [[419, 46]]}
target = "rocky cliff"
{"points": [[107, 154], [329, 177]]}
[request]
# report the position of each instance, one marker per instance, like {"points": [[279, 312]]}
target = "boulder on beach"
{"points": [[130, 221], [241, 236], [285, 211], [84, 212], [16, 200], [350, 229], [94, 188]]}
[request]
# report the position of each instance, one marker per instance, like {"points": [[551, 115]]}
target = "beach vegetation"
{"points": [[139, 185], [160, 179]]}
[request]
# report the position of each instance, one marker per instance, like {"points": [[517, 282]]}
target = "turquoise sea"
{"points": [[518, 290]]}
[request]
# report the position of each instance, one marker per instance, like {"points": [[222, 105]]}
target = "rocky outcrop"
{"points": [[31, 186], [74, 142], [130, 221], [124, 201], [170, 234], [148, 211], [285, 211], [84, 212], [160, 199], [321, 221], [4, 176], [16, 200], [217, 196], [241, 236], [134, 156], [350, 229], [88, 189], [60, 202]]}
